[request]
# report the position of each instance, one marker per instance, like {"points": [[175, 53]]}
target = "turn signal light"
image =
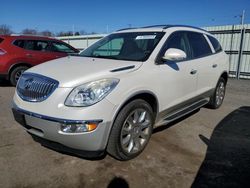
{"points": [[78, 128]]}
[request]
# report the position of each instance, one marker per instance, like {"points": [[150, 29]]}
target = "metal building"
{"points": [[234, 39], [82, 41]]}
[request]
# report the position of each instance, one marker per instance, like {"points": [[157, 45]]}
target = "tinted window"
{"points": [[42, 45], [134, 46], [215, 43], [1, 39], [178, 40], [19, 43], [32, 45], [198, 44], [60, 47], [29, 45]]}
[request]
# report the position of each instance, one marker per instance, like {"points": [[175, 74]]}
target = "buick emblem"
{"points": [[28, 83]]}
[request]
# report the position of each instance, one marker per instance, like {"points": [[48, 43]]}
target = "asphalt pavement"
{"points": [[209, 148]]}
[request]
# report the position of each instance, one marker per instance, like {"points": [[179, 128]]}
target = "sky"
{"points": [[110, 15]]}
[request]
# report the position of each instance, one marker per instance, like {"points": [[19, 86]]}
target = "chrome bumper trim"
{"points": [[58, 120]]}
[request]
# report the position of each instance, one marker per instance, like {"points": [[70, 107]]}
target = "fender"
{"points": [[128, 99], [18, 64]]}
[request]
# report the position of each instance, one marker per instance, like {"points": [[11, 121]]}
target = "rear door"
{"points": [[216, 65], [201, 54], [36, 51]]}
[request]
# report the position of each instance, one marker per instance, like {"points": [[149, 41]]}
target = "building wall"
{"points": [[82, 41], [234, 42]]}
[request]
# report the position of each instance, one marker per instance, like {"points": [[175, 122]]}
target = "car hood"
{"points": [[72, 71]]}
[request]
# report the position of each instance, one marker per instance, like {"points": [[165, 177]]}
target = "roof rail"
{"points": [[31, 35], [164, 27], [127, 28], [150, 26], [188, 26]]}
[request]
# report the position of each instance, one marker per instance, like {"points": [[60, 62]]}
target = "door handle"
{"points": [[193, 71], [29, 55], [214, 65]]}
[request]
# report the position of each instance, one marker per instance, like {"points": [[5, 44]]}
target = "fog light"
{"points": [[78, 128]]}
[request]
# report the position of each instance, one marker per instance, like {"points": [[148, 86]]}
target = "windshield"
{"points": [[134, 46]]}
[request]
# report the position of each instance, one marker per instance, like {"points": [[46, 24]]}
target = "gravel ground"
{"points": [[198, 151]]}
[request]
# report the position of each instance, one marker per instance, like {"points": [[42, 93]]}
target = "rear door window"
{"points": [[29, 45], [199, 45], [42, 45], [215, 43], [35, 45]]}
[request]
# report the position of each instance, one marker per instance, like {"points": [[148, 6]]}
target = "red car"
{"points": [[19, 52]]}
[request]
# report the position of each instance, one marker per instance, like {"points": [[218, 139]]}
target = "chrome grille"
{"points": [[35, 88]]}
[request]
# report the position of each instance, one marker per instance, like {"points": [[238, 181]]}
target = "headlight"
{"points": [[91, 93]]}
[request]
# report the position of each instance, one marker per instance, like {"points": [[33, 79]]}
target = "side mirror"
{"points": [[173, 54]]}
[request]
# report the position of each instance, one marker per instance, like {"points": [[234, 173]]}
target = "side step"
{"points": [[184, 111]]}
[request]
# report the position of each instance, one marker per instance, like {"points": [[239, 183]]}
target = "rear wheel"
{"points": [[217, 99], [131, 131], [16, 74]]}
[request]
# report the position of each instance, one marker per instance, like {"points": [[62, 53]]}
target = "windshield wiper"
{"points": [[105, 57], [74, 54]]}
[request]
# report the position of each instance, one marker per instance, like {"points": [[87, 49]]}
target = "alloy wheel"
{"points": [[220, 93], [135, 132], [18, 74]]}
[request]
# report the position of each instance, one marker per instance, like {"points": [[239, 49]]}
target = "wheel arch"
{"points": [[17, 65], [225, 76], [146, 95]]}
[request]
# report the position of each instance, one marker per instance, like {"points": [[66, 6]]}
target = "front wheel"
{"points": [[16, 74], [219, 94], [131, 131]]}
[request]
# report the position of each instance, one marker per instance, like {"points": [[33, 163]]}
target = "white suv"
{"points": [[111, 96]]}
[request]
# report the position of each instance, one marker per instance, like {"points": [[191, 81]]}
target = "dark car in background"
{"points": [[20, 52]]}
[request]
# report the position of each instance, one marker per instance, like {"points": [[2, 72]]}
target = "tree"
{"points": [[70, 33], [29, 31], [63, 33], [77, 33], [5, 29], [83, 32], [46, 33]]}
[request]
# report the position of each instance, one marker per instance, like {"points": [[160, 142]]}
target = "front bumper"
{"points": [[44, 119], [48, 128]]}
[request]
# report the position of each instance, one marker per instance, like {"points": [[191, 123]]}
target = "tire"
{"points": [[131, 130], [218, 96], [16, 73]]}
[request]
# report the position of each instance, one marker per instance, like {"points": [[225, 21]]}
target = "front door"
{"points": [[179, 79]]}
